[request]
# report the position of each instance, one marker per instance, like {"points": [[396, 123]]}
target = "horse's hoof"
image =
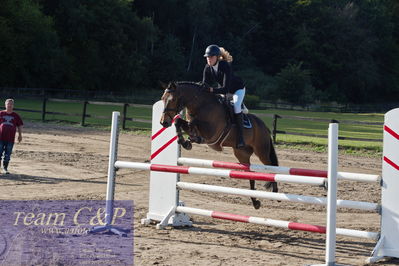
{"points": [[256, 204], [187, 145], [195, 139]]}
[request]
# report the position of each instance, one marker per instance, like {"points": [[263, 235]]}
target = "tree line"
{"points": [[300, 51]]}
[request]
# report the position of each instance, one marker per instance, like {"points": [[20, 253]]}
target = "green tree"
{"points": [[167, 62], [351, 47], [293, 85], [344, 43], [107, 42], [257, 83], [30, 54]]}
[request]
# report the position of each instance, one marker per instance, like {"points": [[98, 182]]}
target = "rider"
{"points": [[218, 69]]}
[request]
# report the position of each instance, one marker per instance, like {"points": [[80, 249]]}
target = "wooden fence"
{"points": [[276, 117], [84, 113], [124, 117]]}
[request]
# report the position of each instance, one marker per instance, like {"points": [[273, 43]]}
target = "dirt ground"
{"points": [[69, 163]]}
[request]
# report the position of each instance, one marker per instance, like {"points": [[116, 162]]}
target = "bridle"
{"points": [[179, 105], [178, 108]]}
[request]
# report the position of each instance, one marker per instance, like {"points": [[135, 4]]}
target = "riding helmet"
{"points": [[212, 50]]}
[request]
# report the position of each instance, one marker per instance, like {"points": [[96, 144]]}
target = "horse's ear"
{"points": [[172, 85], [163, 85]]}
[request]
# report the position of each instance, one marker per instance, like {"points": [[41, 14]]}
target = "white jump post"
{"points": [[388, 244], [109, 205], [332, 193], [163, 185]]}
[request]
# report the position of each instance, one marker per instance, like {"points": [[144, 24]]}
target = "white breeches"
{"points": [[238, 97]]}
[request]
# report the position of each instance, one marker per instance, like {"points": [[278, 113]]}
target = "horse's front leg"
{"points": [[181, 125], [194, 133]]}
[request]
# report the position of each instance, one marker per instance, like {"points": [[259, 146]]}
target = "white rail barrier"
{"points": [[164, 205]]}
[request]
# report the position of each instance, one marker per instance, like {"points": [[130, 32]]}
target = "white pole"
{"points": [[277, 196], [332, 193], [113, 151]]}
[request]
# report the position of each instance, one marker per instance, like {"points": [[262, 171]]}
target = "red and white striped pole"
{"points": [[223, 173], [276, 169], [275, 223]]}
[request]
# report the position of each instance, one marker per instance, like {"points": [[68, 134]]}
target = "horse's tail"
{"points": [[273, 155], [272, 151]]}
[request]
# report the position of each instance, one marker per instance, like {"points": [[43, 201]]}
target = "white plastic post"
{"points": [[164, 196], [109, 198], [113, 151], [388, 244], [332, 193]]}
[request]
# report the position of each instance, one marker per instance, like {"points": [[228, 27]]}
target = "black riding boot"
{"points": [[5, 167], [240, 128]]}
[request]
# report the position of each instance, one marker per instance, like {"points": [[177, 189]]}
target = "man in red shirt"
{"points": [[10, 122]]}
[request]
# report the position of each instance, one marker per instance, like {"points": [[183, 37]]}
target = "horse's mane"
{"points": [[199, 85]]}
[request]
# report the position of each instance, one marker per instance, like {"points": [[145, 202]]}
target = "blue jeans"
{"points": [[6, 148]]}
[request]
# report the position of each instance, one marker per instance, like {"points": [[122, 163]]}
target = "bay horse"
{"points": [[208, 121]]}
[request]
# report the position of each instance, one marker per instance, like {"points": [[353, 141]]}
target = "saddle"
{"points": [[228, 105]]}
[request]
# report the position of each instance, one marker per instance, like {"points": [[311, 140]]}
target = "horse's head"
{"points": [[172, 107]]}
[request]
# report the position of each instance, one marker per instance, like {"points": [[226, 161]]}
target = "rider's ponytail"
{"points": [[225, 55]]}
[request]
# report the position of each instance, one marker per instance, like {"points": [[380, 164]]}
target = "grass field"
{"points": [[321, 128], [286, 124]]}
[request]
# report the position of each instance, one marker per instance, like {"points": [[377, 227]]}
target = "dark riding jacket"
{"points": [[228, 83]]}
